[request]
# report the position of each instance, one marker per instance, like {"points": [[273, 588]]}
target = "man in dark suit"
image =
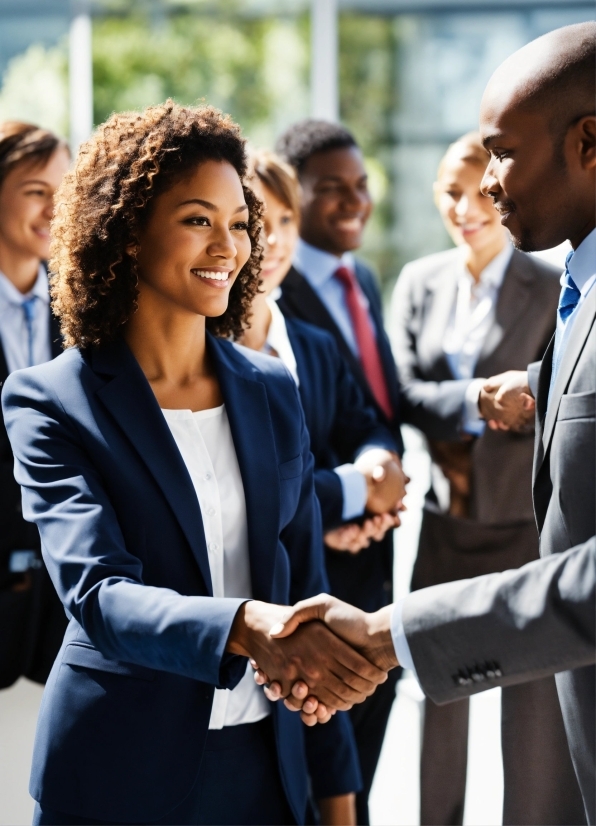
{"points": [[32, 163], [328, 287], [539, 125]]}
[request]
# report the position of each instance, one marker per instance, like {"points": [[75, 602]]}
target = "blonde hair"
{"points": [[278, 177], [468, 149]]}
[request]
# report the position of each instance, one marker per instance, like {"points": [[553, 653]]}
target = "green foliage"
{"points": [[190, 57], [367, 86]]}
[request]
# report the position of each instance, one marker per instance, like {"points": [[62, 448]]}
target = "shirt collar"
{"points": [[10, 295], [316, 265], [582, 265]]}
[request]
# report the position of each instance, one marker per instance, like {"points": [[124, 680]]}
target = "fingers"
{"points": [[305, 611]]}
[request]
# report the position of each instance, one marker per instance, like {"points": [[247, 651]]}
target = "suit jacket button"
{"points": [[498, 672], [477, 677], [491, 674], [462, 681]]}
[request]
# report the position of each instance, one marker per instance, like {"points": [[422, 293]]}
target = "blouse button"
{"points": [[207, 477], [210, 511], [213, 546]]}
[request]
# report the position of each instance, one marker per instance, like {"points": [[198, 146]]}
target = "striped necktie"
{"points": [[364, 334]]}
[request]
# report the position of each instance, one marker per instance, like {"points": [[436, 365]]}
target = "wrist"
{"points": [[243, 628], [378, 629]]}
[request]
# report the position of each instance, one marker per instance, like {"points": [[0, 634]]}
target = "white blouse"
{"points": [[205, 442]]}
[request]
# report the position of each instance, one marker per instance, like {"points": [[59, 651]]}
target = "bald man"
{"points": [[538, 124]]}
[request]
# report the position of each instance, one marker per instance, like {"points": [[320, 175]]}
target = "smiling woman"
{"points": [[170, 476]]}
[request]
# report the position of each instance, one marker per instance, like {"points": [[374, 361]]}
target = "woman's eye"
{"points": [[452, 194], [38, 192], [241, 225], [198, 222], [500, 155], [286, 219]]}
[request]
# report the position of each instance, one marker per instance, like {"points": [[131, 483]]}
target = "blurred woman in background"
{"points": [[458, 316], [355, 467], [32, 163], [347, 440]]}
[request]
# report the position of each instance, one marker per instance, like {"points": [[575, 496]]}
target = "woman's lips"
{"points": [[215, 278]]}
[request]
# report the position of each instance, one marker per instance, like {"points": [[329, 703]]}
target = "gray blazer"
{"points": [[520, 625], [432, 399]]}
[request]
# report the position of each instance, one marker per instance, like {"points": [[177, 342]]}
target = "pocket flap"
{"points": [[577, 406], [290, 469], [86, 657]]}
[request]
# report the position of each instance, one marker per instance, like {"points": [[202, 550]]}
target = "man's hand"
{"points": [[385, 480], [506, 402], [353, 537], [370, 634], [314, 655]]}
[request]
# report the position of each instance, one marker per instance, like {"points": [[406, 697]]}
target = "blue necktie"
{"points": [[570, 295], [29, 310], [568, 301]]}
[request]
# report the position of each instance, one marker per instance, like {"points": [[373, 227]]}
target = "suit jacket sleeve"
{"points": [[330, 749], [435, 407], [505, 628], [98, 581], [355, 430]]}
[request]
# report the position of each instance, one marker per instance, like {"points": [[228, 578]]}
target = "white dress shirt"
{"points": [[205, 443], [353, 483], [472, 316], [318, 267], [14, 333]]}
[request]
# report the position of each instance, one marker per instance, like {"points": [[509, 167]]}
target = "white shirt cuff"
{"points": [[398, 635], [355, 493], [472, 422]]}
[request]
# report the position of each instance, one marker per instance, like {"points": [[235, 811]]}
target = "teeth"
{"points": [[349, 223], [214, 276]]}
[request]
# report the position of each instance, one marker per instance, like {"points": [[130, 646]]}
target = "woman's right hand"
{"points": [[336, 674]]}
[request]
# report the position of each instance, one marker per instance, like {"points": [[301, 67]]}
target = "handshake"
{"points": [[321, 656], [506, 402]]}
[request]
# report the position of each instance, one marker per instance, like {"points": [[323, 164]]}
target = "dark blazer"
{"points": [[340, 424], [299, 300], [126, 708], [32, 619], [364, 579], [522, 625], [432, 398]]}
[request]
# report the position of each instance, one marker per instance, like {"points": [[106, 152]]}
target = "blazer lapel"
{"points": [[573, 348], [304, 303], [440, 297], [252, 432], [514, 295], [129, 399]]}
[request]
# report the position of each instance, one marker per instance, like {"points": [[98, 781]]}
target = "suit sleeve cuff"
{"points": [[472, 422], [400, 641], [354, 490]]}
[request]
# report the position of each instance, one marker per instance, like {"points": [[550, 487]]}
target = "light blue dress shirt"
{"points": [[14, 332], [318, 267], [582, 268]]}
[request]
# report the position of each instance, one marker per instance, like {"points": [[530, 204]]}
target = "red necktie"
{"points": [[365, 339]]}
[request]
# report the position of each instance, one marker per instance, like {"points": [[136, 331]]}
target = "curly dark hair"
{"points": [[305, 138], [103, 203]]}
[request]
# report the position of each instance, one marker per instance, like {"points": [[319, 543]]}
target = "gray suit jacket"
{"points": [[520, 625], [432, 399]]}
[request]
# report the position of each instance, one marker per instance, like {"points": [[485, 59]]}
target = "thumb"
{"points": [[305, 611]]}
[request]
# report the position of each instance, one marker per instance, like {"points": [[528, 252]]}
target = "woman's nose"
{"points": [[271, 239], [462, 207]]}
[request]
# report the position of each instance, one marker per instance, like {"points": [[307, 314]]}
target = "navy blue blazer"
{"points": [[299, 300], [126, 708], [340, 423]]}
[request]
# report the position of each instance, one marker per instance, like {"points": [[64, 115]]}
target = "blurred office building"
{"points": [[405, 75]]}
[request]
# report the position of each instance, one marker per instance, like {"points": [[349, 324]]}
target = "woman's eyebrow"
{"points": [[208, 205], [34, 181]]}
